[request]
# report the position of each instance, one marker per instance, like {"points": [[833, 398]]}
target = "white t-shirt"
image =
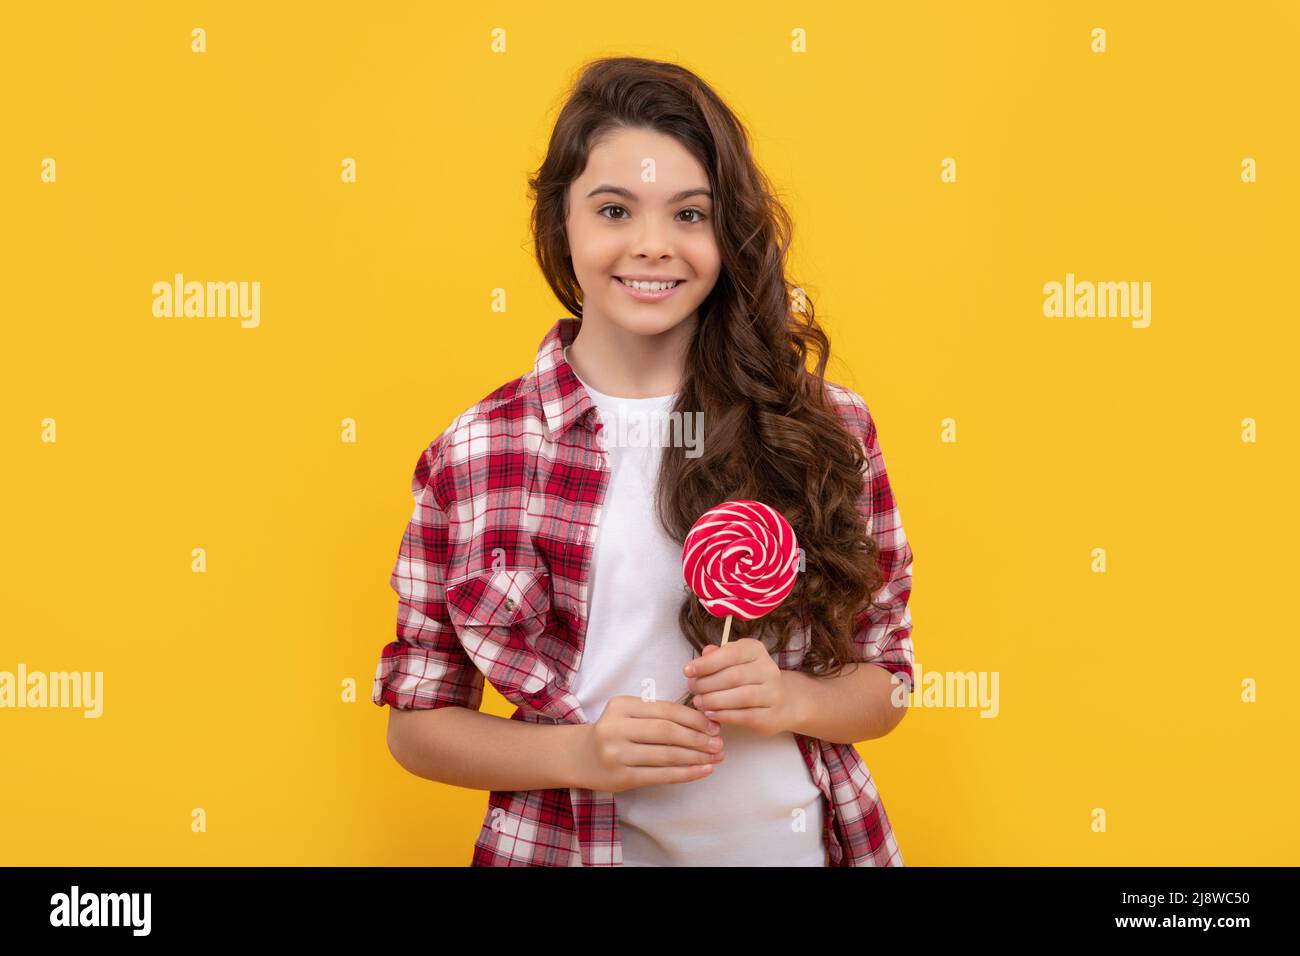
{"points": [[759, 806]]}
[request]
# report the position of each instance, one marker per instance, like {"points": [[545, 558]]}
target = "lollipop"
{"points": [[740, 558]]}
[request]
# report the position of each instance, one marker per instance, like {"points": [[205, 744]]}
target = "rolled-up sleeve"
{"points": [[883, 635], [426, 666]]}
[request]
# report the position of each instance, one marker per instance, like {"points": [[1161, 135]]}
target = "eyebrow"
{"points": [[628, 194]]}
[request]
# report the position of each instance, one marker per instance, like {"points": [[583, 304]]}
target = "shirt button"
{"points": [[510, 604]]}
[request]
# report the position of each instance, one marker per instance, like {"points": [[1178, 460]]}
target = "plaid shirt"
{"points": [[493, 579]]}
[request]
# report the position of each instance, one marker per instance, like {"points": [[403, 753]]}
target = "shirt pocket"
{"points": [[510, 599]]}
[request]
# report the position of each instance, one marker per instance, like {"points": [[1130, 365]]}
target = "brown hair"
{"points": [[773, 436]]}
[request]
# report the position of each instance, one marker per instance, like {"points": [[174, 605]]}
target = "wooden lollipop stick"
{"points": [[726, 629]]}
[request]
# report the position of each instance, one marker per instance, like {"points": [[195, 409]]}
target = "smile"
{"points": [[648, 291]]}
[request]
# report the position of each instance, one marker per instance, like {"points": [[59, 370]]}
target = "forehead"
{"points": [[628, 157]]}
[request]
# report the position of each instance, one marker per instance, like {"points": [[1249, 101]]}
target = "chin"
{"points": [[650, 321]]}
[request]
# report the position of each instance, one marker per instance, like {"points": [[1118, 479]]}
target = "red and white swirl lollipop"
{"points": [[740, 558]]}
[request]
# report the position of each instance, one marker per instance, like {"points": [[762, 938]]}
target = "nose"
{"points": [[653, 241]]}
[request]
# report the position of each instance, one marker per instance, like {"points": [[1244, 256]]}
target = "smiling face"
{"points": [[620, 227]]}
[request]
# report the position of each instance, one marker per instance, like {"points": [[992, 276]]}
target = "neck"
{"points": [[627, 364]]}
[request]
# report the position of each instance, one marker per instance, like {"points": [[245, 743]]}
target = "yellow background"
{"points": [[222, 690]]}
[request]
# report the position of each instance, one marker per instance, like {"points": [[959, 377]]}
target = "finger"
{"points": [[670, 710], [687, 716], [750, 672], [716, 660], [659, 730], [745, 716], [655, 776], [655, 755], [749, 695]]}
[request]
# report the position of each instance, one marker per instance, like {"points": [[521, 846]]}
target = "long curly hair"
{"points": [[773, 435]]}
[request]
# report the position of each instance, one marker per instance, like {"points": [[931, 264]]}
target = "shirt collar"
{"points": [[564, 399]]}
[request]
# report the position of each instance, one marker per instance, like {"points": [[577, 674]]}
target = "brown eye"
{"points": [[612, 206]]}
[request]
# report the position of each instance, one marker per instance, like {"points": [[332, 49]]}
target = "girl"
{"points": [[544, 551]]}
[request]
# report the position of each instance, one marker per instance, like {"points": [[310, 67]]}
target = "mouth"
{"points": [[654, 293]]}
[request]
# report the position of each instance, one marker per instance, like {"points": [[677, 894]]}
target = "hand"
{"points": [[741, 684], [640, 743]]}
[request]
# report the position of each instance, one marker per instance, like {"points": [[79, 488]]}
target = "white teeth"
{"points": [[648, 286]]}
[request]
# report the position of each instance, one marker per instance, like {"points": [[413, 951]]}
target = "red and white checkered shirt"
{"points": [[493, 579]]}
